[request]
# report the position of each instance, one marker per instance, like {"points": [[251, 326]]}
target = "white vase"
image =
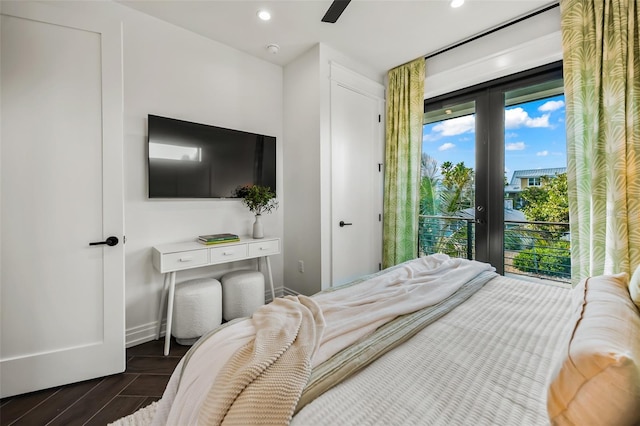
{"points": [[258, 231]]}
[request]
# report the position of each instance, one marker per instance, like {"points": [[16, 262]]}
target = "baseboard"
{"points": [[143, 333], [147, 332], [288, 292]]}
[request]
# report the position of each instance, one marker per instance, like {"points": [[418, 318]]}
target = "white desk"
{"points": [[170, 258]]}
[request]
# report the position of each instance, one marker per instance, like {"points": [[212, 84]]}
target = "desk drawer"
{"points": [[184, 260], [228, 253], [264, 248]]}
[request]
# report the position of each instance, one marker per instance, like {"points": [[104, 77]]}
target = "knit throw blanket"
{"points": [[262, 383]]}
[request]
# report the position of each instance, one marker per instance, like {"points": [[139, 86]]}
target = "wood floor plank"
{"points": [[156, 348], [152, 365], [118, 407], [149, 400], [57, 403], [93, 401], [17, 406], [147, 385], [144, 381]]}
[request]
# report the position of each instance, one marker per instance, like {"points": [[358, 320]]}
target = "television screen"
{"points": [[191, 160]]}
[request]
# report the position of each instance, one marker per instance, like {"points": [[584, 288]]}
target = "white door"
{"points": [[357, 183], [62, 300]]}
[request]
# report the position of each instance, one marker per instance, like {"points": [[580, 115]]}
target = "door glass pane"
{"points": [[447, 182], [536, 228]]}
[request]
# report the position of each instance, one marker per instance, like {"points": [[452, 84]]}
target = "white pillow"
{"points": [[596, 380], [634, 287]]}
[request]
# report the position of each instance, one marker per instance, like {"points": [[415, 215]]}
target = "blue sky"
{"points": [[534, 137]]}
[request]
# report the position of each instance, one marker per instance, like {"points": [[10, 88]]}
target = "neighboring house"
{"points": [[522, 179]]}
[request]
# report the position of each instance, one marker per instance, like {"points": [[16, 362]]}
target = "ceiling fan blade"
{"points": [[335, 10]]}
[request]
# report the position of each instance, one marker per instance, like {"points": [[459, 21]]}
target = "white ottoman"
{"points": [[197, 309], [242, 293]]}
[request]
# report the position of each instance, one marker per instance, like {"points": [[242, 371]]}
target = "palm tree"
{"points": [[428, 182], [458, 183]]}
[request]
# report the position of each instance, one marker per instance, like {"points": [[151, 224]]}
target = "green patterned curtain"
{"points": [[405, 108], [602, 90]]}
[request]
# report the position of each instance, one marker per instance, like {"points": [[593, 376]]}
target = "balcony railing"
{"points": [[534, 249]]}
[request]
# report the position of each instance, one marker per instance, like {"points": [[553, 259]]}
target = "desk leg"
{"points": [[268, 262], [163, 300], [172, 288]]}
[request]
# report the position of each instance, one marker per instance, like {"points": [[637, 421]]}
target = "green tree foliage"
{"points": [[428, 182], [447, 194], [548, 202], [548, 258], [458, 187], [550, 254]]}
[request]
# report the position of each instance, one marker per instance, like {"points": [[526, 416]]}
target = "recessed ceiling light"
{"points": [[448, 111], [264, 15], [457, 3]]}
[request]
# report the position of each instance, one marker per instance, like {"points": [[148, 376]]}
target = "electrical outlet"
{"points": [[300, 266]]}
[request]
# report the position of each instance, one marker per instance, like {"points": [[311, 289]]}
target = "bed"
{"points": [[433, 341]]}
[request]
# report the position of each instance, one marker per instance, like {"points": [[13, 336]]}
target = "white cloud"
{"points": [[516, 146], [456, 126], [511, 135], [551, 106], [518, 117], [446, 146], [542, 153], [430, 137]]}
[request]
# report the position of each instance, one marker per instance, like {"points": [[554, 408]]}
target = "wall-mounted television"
{"points": [[191, 160]]}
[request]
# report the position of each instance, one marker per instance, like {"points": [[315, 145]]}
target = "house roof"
{"points": [[514, 186], [523, 174]]}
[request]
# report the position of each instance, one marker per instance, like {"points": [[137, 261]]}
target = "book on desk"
{"points": [[218, 238]]}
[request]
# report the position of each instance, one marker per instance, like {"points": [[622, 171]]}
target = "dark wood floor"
{"points": [[98, 401]]}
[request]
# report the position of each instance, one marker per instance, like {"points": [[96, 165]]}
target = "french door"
{"points": [[465, 180]]}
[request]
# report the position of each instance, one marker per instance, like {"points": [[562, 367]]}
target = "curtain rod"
{"points": [[493, 30]]}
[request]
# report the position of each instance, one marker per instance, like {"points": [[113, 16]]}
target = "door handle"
{"points": [[343, 223], [111, 241]]}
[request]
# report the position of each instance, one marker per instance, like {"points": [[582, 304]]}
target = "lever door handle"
{"points": [[111, 241], [343, 223]]}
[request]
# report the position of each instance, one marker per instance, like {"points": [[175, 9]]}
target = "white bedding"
{"points": [[484, 363], [351, 313]]}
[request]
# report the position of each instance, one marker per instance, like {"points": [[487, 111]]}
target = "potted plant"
{"points": [[259, 199]]}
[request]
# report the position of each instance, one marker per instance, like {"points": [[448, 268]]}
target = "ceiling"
{"points": [[379, 33]]}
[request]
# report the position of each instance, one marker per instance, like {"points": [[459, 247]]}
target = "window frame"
{"points": [[534, 181], [490, 103]]}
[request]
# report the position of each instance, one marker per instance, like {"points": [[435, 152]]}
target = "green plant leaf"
{"points": [[259, 199]]}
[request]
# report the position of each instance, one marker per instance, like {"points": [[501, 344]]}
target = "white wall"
{"points": [[302, 236], [307, 128], [525, 45], [171, 72]]}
